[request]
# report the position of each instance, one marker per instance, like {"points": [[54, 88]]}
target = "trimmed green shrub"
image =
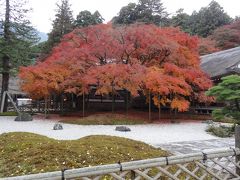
{"points": [[221, 131]]}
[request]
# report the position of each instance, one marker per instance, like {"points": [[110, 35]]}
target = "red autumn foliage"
{"points": [[112, 77], [207, 46], [162, 61], [227, 36]]}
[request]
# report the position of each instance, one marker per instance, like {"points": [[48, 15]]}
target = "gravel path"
{"points": [[187, 147], [154, 134]]}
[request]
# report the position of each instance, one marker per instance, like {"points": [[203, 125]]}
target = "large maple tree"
{"points": [[138, 58]]}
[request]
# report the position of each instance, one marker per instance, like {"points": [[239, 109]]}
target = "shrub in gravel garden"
{"points": [[221, 131], [227, 92]]}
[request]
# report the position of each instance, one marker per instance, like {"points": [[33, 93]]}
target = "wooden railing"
{"points": [[211, 164]]}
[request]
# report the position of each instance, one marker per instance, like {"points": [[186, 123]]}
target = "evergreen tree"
{"points": [[228, 92], [62, 24], [147, 11], [16, 38], [181, 20], [204, 22], [86, 18]]}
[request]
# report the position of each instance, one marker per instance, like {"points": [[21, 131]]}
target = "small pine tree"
{"points": [[228, 91]]}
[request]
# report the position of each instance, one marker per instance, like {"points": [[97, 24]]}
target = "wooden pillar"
{"points": [[237, 145], [159, 108], [61, 104], [149, 107], [112, 100], [83, 104], [45, 107], [126, 103]]}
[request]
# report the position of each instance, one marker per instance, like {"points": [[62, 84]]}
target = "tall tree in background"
{"points": [[17, 38], [182, 20], [147, 11], [204, 22], [86, 18], [62, 24]]}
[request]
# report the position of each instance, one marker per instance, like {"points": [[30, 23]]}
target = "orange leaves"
{"points": [[113, 77], [159, 82], [42, 80], [180, 104], [164, 85]]}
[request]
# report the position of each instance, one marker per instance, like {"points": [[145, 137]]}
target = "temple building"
{"points": [[222, 63]]}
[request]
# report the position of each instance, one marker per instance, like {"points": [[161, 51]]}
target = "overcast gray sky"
{"points": [[44, 11]]}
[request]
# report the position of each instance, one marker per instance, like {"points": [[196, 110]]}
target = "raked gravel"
{"points": [[153, 134]]}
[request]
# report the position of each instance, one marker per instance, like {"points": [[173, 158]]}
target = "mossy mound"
{"points": [[27, 153]]}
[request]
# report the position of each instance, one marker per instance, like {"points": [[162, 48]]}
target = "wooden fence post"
{"points": [[237, 145]]}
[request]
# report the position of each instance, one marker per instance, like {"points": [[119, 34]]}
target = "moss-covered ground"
{"points": [[10, 113], [105, 119], [27, 153]]}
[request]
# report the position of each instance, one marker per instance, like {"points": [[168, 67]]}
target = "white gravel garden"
{"points": [[149, 133]]}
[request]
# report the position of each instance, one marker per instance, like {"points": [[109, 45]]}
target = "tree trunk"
{"points": [[6, 58], [5, 81], [237, 104]]}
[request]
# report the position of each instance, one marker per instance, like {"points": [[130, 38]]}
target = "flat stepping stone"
{"points": [[122, 128]]}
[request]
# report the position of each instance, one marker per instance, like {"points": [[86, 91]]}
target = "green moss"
{"points": [[27, 153], [8, 114], [104, 119]]}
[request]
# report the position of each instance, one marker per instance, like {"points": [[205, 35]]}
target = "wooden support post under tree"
{"points": [[237, 145], [21, 116], [126, 103], [112, 99], [149, 107], [83, 104], [61, 103], [45, 107], [159, 108], [4, 97]]}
